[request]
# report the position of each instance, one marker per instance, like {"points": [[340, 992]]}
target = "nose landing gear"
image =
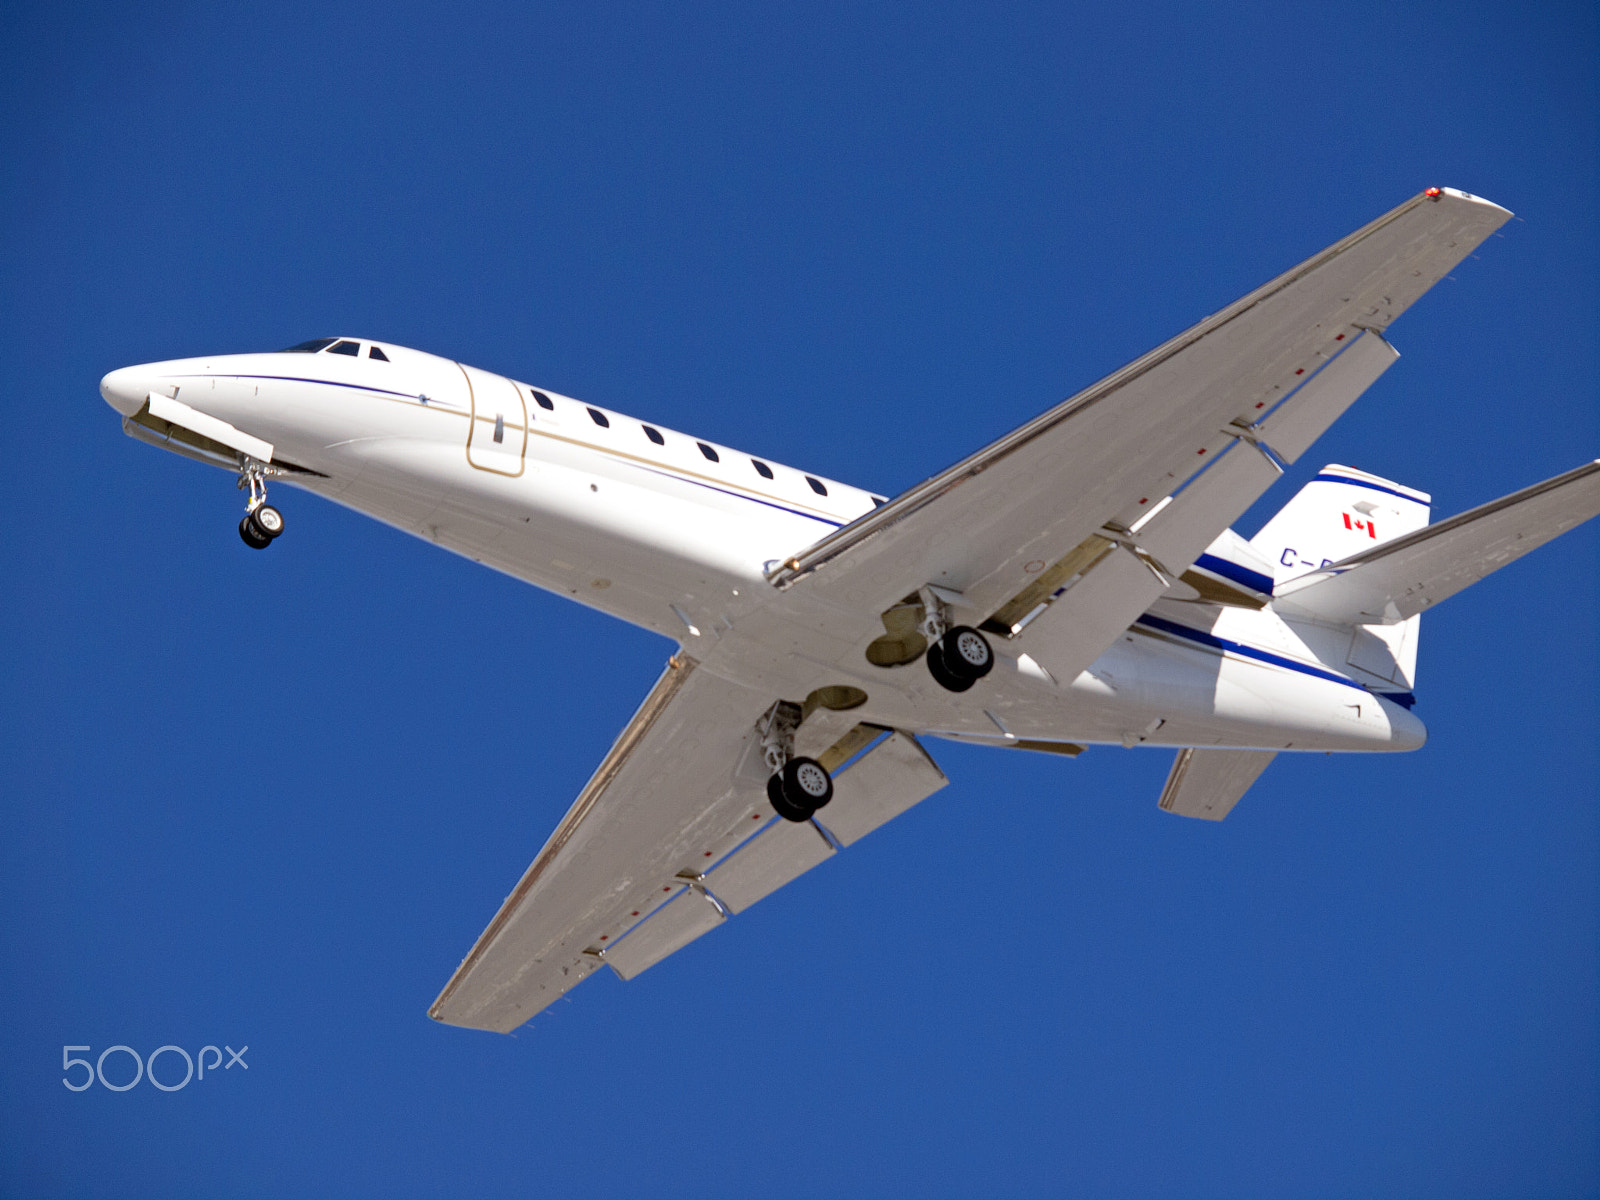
{"points": [[261, 522]]}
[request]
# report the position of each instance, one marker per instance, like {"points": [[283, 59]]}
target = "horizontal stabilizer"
{"points": [[1398, 579], [1207, 783]]}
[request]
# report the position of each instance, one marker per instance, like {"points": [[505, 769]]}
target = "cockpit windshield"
{"points": [[310, 347]]}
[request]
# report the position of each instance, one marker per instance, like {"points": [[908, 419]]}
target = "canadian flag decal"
{"points": [[1358, 524]]}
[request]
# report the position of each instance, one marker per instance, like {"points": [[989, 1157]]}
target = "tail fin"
{"points": [[1383, 591], [1338, 514]]}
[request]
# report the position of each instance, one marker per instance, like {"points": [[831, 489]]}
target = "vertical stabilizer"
{"points": [[1338, 514]]}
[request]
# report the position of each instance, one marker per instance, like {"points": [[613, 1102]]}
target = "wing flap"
{"points": [[781, 854], [885, 781], [1086, 615], [1412, 573], [1305, 416], [1206, 784], [1077, 627], [685, 917]]}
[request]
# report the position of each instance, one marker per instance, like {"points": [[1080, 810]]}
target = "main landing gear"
{"points": [[798, 786], [261, 522], [799, 789], [960, 658], [958, 655]]}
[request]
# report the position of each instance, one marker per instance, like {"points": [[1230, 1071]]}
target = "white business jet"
{"points": [[1075, 582]]}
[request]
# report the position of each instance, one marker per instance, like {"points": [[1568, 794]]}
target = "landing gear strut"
{"points": [[262, 523], [798, 786], [958, 655]]}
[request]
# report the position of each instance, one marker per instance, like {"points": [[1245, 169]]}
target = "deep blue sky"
{"points": [[273, 798]]}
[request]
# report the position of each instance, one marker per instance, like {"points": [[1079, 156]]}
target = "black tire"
{"points": [[251, 536], [267, 520], [966, 653], [807, 782], [941, 674], [781, 803], [802, 787]]}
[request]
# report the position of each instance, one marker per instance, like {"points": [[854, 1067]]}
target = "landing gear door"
{"points": [[497, 435]]}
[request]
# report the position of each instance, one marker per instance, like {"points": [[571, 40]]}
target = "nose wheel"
{"points": [[260, 526], [261, 522]]}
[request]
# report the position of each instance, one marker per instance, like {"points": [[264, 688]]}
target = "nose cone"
{"points": [[125, 389]]}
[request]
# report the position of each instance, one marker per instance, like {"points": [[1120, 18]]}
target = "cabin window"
{"points": [[816, 485], [708, 452], [543, 401], [654, 434], [310, 347], [600, 418], [353, 349], [374, 352], [761, 468]]}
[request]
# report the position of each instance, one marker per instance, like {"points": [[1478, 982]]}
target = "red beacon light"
{"points": [[1433, 193]]}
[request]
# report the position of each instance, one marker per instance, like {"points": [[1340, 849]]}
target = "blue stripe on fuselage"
{"points": [[1211, 640], [1243, 576], [736, 495], [359, 387], [599, 449]]}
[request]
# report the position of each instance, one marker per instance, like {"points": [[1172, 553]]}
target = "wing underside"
{"points": [[1117, 490], [671, 836]]}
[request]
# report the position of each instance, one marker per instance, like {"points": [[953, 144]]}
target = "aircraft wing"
{"points": [[671, 836], [1412, 573], [1065, 501]]}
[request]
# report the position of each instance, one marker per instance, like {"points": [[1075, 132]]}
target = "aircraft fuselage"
{"points": [[676, 535]]}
